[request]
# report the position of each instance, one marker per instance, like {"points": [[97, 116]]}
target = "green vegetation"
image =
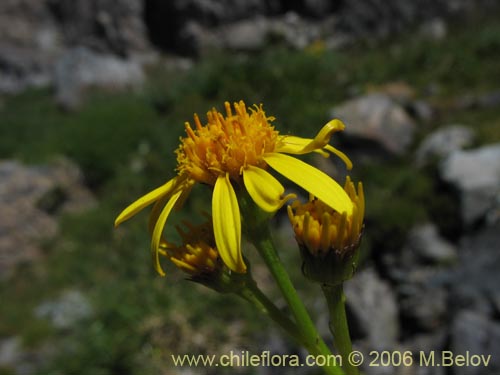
{"points": [[125, 145]]}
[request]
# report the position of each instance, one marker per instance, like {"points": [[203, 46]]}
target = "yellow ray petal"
{"points": [[312, 180], [186, 187], [265, 190], [155, 212], [158, 230], [227, 224], [145, 201]]}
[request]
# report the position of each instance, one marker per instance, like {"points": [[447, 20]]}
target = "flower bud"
{"points": [[329, 240]]}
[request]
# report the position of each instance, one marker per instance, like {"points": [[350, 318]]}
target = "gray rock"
{"points": [[33, 34], [496, 302], [474, 333], [189, 27], [381, 18], [434, 29], [442, 142], [422, 287], [427, 342], [430, 342], [245, 35], [10, 349], [374, 311], [197, 39], [475, 282], [424, 306], [377, 118], [18, 360], [422, 110], [67, 310], [81, 68], [219, 11], [110, 26], [476, 175], [425, 241], [250, 34], [317, 8], [471, 101], [29, 44], [30, 199], [296, 31]]}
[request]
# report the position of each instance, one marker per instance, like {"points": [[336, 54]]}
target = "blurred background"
{"points": [[93, 98]]}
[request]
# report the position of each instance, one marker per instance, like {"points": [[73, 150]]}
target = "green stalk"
{"points": [[335, 298], [254, 295], [256, 226], [310, 337]]}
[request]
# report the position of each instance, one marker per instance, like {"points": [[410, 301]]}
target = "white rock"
{"points": [[71, 307], [426, 242], [476, 174], [81, 68], [443, 142], [378, 118], [373, 306]]}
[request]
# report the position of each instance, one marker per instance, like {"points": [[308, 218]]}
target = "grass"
{"points": [[124, 144]]}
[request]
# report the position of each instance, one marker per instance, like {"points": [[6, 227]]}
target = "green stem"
{"points": [[335, 298], [310, 337], [254, 295]]}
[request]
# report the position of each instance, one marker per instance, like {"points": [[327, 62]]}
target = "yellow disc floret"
{"points": [[226, 144]]}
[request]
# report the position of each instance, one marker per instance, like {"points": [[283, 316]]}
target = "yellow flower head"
{"points": [[197, 255], [321, 229], [238, 149], [329, 240]]}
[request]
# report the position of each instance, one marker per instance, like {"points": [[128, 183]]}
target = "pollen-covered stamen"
{"points": [[226, 144]]}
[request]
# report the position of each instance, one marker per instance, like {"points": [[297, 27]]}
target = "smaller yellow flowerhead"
{"points": [[321, 229], [226, 144], [197, 255], [328, 239]]}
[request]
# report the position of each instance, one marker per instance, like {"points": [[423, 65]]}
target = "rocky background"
{"points": [[435, 289], [73, 44]]}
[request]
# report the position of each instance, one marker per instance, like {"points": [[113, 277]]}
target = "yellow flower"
{"points": [[321, 229], [238, 149], [197, 255], [329, 240]]}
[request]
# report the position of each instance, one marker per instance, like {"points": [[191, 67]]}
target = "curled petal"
{"points": [[331, 127], [227, 224], [297, 145], [265, 190], [312, 180], [158, 230], [146, 200], [341, 155]]}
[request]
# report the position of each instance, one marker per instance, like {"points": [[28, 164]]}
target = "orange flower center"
{"points": [[226, 144]]}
